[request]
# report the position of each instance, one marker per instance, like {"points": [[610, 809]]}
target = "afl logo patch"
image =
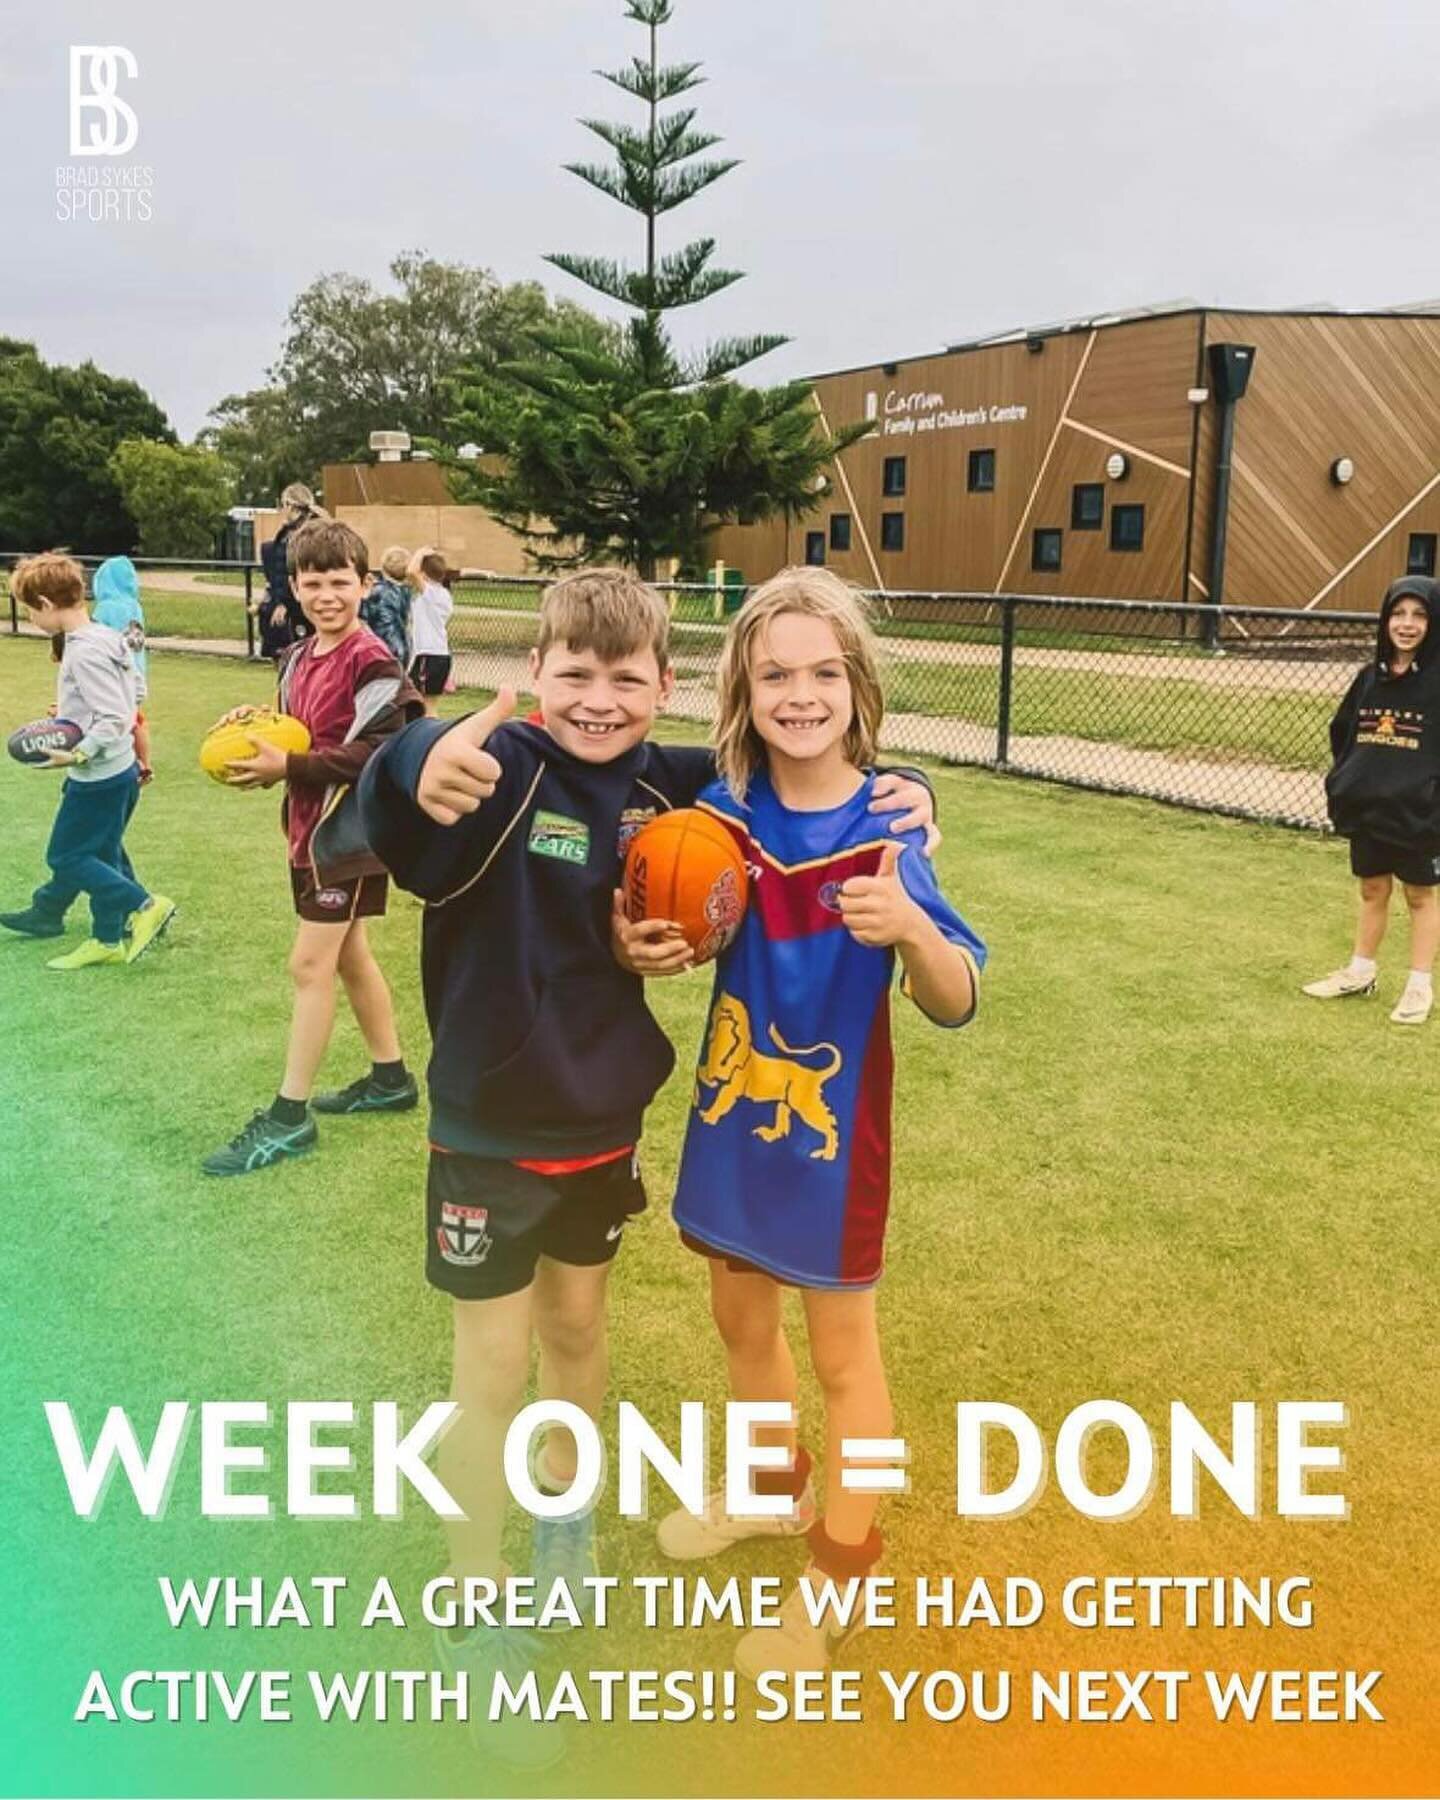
{"points": [[829, 895], [332, 899]]}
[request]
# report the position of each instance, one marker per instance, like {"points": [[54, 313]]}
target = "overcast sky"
{"points": [[914, 171]]}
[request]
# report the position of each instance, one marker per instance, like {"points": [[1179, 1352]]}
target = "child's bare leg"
{"points": [[492, 1362], [1424, 904], [746, 1309], [845, 1349], [574, 1355], [369, 995], [313, 964], [1374, 915]]}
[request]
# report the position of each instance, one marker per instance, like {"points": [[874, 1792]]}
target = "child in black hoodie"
{"points": [[1383, 793]]}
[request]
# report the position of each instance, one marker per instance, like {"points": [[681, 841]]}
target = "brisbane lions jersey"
{"points": [[787, 1155]]}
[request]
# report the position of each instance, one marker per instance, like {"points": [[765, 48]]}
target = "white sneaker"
{"points": [[686, 1538], [795, 1646], [1339, 986], [1413, 1006]]}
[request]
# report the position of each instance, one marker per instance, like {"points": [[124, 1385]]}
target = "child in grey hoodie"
{"points": [[86, 852]]}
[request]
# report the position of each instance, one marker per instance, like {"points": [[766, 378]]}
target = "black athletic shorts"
{"points": [[487, 1222], [1416, 868], [362, 897], [430, 673]]}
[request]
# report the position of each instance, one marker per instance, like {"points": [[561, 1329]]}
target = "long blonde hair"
{"points": [[818, 593]]}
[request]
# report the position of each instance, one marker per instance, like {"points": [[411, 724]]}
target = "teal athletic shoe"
{"points": [[262, 1142], [31, 923], [564, 1550], [369, 1095], [521, 1743]]}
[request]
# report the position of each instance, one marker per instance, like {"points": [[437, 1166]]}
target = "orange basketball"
{"points": [[687, 867]]}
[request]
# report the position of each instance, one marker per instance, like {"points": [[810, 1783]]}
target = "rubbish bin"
{"points": [[734, 594]]}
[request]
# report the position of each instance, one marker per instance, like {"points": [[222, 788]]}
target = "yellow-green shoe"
{"points": [[89, 955], [146, 925]]}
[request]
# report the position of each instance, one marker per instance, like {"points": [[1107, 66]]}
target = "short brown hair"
{"points": [[820, 594], [326, 544], [58, 579], [434, 565], [609, 611]]}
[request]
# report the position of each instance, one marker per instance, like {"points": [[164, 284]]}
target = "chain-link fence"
{"points": [[1126, 697], [1221, 709], [206, 606]]}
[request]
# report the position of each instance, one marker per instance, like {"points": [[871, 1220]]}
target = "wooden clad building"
{"points": [[1081, 459], [409, 503]]}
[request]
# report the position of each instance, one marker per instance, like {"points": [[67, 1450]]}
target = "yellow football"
{"points": [[234, 738]]}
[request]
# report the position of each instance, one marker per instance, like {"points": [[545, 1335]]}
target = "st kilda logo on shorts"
{"points": [[462, 1235]]}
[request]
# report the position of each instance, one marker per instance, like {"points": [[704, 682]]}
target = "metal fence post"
{"points": [[249, 616], [1007, 682]]}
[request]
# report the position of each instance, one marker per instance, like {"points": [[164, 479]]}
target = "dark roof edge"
{"points": [[1103, 322]]}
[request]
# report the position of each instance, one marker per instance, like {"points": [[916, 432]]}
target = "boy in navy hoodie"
{"points": [[545, 1053], [1383, 793]]}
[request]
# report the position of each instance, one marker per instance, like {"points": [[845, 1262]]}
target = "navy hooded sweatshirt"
{"points": [[1385, 737], [543, 1045]]}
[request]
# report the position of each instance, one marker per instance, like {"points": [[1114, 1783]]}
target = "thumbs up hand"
{"points": [[460, 773], [876, 908]]}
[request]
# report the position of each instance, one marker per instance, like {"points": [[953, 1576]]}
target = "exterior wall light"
{"points": [[1117, 467], [1342, 470]]}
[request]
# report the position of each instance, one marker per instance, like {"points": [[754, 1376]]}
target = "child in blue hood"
{"points": [[115, 601]]}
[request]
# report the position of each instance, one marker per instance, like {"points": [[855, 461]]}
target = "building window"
{"points": [[839, 531], [892, 531], [981, 476], [1421, 560], [893, 482], [1087, 506], [1045, 550], [1127, 527], [815, 549]]}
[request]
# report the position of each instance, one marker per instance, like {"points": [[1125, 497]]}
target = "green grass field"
{"points": [[1150, 1170]]}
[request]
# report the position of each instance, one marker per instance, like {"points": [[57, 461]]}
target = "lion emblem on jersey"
{"points": [[736, 1071]]}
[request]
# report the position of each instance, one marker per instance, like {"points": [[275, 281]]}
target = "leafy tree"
{"points": [[260, 440], [176, 495], [632, 450], [59, 428], [355, 359]]}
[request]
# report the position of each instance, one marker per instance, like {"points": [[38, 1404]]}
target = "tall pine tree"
{"points": [[635, 452]]}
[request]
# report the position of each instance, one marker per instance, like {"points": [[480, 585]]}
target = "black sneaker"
{"points": [[263, 1141], [369, 1095], [33, 924]]}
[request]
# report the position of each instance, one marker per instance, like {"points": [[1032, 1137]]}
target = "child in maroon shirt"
{"points": [[344, 685]]}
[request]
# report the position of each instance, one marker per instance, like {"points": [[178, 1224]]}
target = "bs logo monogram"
{"points": [[94, 77]]}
